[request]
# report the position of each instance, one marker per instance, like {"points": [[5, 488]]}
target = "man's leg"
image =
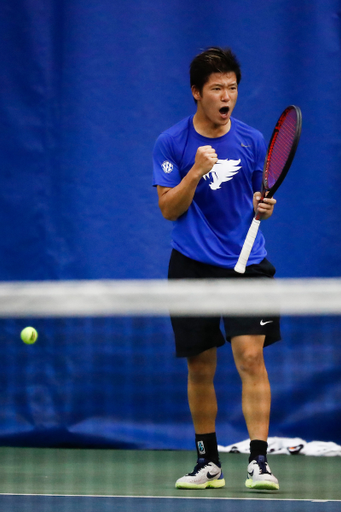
{"points": [[201, 393], [256, 401], [203, 406], [256, 395]]}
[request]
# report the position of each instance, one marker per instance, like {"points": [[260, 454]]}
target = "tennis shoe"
{"points": [[205, 475], [259, 475]]}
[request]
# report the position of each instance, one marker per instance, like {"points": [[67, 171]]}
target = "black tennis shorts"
{"points": [[194, 335]]}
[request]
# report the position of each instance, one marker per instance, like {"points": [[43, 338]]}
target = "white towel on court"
{"points": [[289, 446]]}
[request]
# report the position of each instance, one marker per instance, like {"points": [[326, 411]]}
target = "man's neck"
{"points": [[207, 129]]}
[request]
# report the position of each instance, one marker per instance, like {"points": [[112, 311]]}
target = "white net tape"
{"points": [[160, 297]]}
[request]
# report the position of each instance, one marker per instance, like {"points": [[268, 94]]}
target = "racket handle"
{"points": [[247, 247]]}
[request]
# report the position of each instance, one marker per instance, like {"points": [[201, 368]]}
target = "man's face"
{"points": [[217, 100]]}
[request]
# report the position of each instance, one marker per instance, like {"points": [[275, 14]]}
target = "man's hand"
{"points": [[205, 159], [265, 207]]}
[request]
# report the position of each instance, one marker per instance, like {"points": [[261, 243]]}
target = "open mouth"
{"points": [[224, 110]]}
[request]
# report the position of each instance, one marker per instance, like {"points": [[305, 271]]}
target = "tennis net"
{"points": [[103, 373], [159, 297]]}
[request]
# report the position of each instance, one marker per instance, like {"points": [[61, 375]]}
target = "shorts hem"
{"points": [[195, 351]]}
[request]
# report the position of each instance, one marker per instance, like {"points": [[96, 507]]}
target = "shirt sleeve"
{"points": [[165, 168]]}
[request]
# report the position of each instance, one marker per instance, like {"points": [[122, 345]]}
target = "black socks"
{"points": [[207, 447], [257, 448]]}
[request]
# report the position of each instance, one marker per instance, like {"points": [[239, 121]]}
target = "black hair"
{"points": [[213, 60]]}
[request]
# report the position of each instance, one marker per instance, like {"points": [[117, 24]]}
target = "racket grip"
{"points": [[247, 247]]}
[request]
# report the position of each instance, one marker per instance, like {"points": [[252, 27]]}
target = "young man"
{"points": [[208, 170]]}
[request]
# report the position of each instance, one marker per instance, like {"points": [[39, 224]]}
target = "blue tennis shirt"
{"points": [[214, 227]]}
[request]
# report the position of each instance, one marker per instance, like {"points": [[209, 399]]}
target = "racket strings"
{"points": [[281, 147]]}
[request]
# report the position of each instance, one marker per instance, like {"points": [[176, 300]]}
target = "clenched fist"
{"points": [[205, 159]]}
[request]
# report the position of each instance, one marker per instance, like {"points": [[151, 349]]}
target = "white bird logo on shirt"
{"points": [[222, 171]]}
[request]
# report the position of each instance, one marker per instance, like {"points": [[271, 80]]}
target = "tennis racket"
{"points": [[279, 156]]}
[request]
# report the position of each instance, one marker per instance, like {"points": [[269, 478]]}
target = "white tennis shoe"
{"points": [[205, 475], [259, 475]]}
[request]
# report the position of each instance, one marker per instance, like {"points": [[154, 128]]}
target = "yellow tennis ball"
{"points": [[29, 335]]}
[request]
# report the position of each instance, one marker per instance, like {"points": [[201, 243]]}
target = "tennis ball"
{"points": [[29, 335]]}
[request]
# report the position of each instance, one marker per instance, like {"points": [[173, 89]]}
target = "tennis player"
{"points": [[208, 173]]}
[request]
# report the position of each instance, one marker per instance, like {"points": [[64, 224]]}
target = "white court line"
{"points": [[167, 497]]}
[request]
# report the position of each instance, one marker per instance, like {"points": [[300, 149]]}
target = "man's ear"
{"points": [[196, 93]]}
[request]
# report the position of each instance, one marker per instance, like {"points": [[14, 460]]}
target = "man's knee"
{"points": [[250, 362], [248, 354], [203, 366]]}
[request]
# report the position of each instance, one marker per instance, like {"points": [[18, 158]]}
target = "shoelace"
{"points": [[261, 461], [201, 463]]}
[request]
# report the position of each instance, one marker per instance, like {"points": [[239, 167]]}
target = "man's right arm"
{"points": [[173, 202]]}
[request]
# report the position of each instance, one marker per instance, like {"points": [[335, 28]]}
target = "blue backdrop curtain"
{"points": [[86, 88]]}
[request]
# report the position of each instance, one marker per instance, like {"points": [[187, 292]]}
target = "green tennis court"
{"points": [[46, 480]]}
